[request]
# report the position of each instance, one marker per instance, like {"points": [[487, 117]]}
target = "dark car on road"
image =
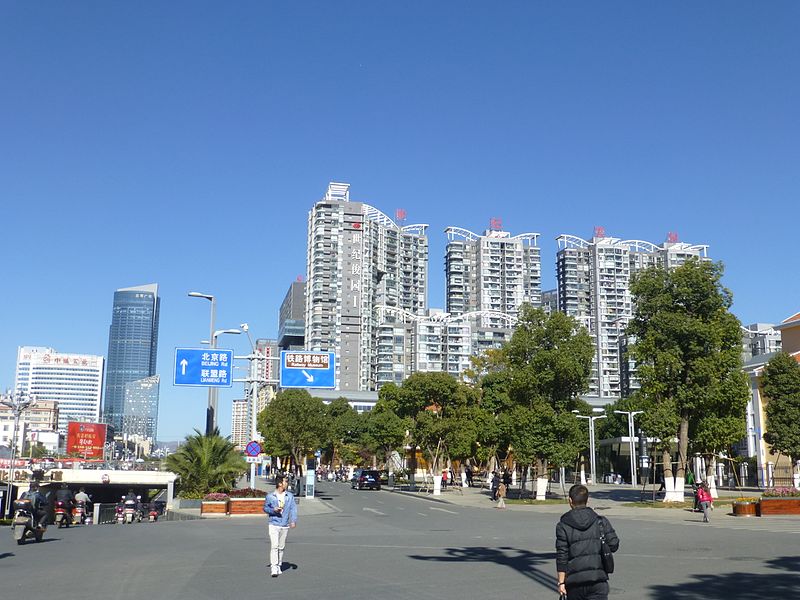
{"points": [[366, 478]]}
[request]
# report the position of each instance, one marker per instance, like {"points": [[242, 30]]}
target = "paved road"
{"points": [[365, 544]]}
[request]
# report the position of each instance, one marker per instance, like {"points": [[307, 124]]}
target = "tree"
{"points": [[548, 362], [294, 423], [687, 353], [384, 430], [206, 463], [344, 430], [780, 383]]}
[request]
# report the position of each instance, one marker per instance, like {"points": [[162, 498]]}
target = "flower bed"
{"points": [[780, 501], [214, 504]]}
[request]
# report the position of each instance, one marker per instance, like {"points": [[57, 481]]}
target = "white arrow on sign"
{"points": [[309, 378], [184, 362]]}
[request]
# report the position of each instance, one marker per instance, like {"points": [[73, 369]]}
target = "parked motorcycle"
{"points": [[23, 527], [61, 514], [79, 513]]}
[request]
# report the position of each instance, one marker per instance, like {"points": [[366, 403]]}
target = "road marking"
{"points": [[422, 514], [373, 510], [452, 512]]}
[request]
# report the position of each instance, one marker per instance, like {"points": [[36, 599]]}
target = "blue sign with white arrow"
{"points": [[307, 369], [203, 367]]}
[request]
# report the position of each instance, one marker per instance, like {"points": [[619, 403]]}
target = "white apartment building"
{"points": [[492, 272], [358, 258], [434, 342], [74, 381], [240, 423], [593, 286]]}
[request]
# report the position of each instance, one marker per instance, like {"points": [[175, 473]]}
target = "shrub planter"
{"points": [[246, 506], [779, 506], [744, 509], [214, 507]]}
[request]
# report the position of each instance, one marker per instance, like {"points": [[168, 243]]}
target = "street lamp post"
{"points": [[211, 416], [592, 455], [17, 402], [631, 414]]}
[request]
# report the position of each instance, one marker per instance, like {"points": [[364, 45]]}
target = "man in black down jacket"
{"points": [[580, 570]]}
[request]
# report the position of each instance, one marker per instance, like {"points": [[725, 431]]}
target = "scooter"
{"points": [[130, 511], [152, 515], [23, 527], [119, 516], [61, 514], [79, 513]]}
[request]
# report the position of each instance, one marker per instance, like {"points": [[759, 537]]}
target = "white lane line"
{"points": [[377, 512], [422, 514], [380, 502], [401, 508], [452, 512]]}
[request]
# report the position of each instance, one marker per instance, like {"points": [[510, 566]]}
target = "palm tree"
{"points": [[206, 463]]}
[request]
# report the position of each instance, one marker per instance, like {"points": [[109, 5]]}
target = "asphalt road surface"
{"points": [[386, 545]]}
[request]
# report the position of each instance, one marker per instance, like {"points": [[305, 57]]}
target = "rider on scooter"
{"points": [[38, 503], [64, 494]]}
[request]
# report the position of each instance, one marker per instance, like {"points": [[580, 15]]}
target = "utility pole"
{"points": [[18, 403], [631, 414]]}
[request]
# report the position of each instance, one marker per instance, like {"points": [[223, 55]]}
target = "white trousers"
{"points": [[277, 541]]}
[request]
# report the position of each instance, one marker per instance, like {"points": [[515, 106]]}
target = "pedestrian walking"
{"points": [[581, 535], [468, 472], [706, 501], [282, 510], [494, 485], [501, 495]]}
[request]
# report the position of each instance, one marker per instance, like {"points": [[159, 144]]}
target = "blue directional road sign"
{"points": [[307, 369], [203, 367]]}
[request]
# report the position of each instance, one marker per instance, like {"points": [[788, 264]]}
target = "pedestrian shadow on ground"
{"points": [[522, 561], [785, 583], [6, 555]]}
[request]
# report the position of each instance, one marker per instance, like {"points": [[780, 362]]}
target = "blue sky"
{"points": [[183, 143]]}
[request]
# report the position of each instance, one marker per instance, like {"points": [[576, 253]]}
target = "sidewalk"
{"points": [[610, 500]]}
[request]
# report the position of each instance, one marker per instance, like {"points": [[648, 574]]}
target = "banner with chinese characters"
{"points": [[86, 439]]}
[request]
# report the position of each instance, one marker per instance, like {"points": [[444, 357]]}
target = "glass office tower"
{"points": [[132, 346], [140, 411]]}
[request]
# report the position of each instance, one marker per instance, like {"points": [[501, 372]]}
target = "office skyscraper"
{"points": [[73, 381], [292, 318], [132, 346], [358, 258], [593, 286], [140, 410]]}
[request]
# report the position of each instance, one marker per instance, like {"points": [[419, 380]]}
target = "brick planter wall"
{"points": [[214, 507], [246, 506], [779, 506]]}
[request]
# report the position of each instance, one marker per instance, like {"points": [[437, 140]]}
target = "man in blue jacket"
{"points": [[282, 511], [581, 575]]}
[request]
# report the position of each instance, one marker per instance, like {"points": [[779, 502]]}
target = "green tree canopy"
{"points": [[687, 352], [206, 463], [780, 383], [294, 423]]}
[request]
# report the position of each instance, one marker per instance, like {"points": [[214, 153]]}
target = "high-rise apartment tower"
{"points": [[358, 258], [593, 286]]}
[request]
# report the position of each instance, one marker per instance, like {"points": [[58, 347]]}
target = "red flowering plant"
{"points": [[782, 492], [247, 493], [216, 496]]}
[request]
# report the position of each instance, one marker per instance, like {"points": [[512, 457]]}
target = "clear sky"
{"points": [[183, 143]]}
